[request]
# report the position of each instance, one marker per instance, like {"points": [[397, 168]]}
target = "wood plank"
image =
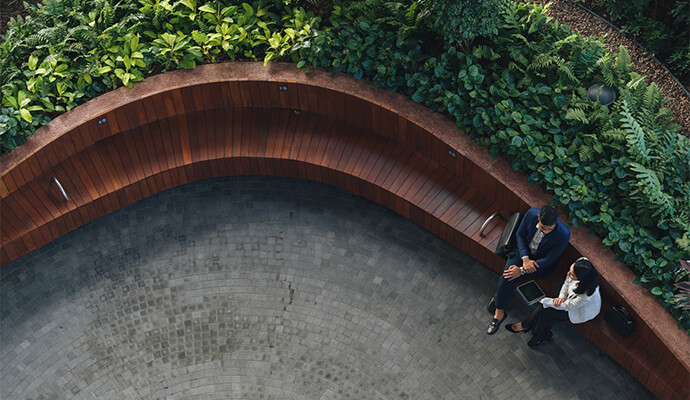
{"points": [[217, 141], [453, 193], [198, 125], [409, 172], [314, 153], [83, 175], [72, 185], [178, 104], [15, 220], [449, 210], [238, 118], [162, 131], [304, 131], [100, 170], [112, 164], [457, 214], [124, 159], [31, 207], [152, 140], [261, 127], [430, 172], [436, 190], [247, 134], [280, 134], [331, 143], [341, 138], [367, 160], [384, 165]]}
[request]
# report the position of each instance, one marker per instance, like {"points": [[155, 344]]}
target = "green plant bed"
{"points": [[514, 79]]}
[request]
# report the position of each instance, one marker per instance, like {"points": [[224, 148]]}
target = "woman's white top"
{"points": [[580, 307]]}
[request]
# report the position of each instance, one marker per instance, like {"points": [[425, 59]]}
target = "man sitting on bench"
{"points": [[541, 239]]}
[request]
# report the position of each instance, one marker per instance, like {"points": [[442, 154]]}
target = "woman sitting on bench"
{"points": [[579, 301]]}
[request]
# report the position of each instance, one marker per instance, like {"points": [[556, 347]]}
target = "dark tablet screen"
{"points": [[530, 291]]}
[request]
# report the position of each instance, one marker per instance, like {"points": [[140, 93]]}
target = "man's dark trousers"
{"points": [[505, 288]]}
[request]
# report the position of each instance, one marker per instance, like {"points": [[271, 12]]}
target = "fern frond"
{"points": [[577, 114], [565, 70], [623, 64], [567, 40], [653, 98], [586, 153], [485, 52], [614, 135], [541, 61], [635, 81], [525, 82], [637, 146], [649, 185], [609, 77]]}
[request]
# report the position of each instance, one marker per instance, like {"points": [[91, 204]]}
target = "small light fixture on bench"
{"points": [[102, 121], [282, 88], [452, 153], [601, 92]]}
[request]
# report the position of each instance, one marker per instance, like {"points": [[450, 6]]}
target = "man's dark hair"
{"points": [[548, 215]]}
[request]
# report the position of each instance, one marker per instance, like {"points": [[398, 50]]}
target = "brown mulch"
{"points": [[586, 24], [566, 12], [10, 9]]}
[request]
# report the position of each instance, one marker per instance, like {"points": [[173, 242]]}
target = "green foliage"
{"points": [[68, 51], [518, 88], [621, 170], [458, 21], [661, 33]]}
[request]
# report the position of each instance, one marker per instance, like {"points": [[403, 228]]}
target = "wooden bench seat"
{"points": [[231, 119], [115, 171]]}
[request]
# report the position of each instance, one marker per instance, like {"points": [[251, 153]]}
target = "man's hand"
{"points": [[511, 273], [558, 301], [530, 265]]}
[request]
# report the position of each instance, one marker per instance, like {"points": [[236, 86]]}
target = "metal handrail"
{"points": [[486, 223], [62, 190]]}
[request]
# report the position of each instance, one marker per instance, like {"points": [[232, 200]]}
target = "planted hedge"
{"points": [[518, 88]]}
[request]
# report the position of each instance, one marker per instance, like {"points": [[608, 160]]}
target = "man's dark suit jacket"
{"points": [[551, 247]]}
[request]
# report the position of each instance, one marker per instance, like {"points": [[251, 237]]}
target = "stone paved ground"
{"points": [[271, 288]]}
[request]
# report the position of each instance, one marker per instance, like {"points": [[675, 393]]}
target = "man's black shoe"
{"points": [[495, 324]]}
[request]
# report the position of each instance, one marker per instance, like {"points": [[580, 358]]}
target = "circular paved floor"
{"points": [[271, 288]]}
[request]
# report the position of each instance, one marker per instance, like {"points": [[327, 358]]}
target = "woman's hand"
{"points": [[558, 301]]}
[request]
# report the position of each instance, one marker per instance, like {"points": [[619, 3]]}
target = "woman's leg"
{"points": [[530, 321], [545, 320]]}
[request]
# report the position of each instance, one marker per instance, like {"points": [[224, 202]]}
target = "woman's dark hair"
{"points": [[548, 215], [585, 272]]}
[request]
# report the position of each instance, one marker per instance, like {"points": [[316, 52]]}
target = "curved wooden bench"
{"points": [[235, 119]]}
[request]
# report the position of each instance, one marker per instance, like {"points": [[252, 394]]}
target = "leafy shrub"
{"points": [[458, 21], [623, 171], [69, 51], [662, 33]]}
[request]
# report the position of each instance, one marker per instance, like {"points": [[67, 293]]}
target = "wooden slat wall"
{"points": [[309, 132]]}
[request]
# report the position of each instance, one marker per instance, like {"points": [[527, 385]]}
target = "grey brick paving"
{"points": [[272, 288]]}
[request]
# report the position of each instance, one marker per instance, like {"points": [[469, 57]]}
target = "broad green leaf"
{"points": [[33, 61], [26, 115]]}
